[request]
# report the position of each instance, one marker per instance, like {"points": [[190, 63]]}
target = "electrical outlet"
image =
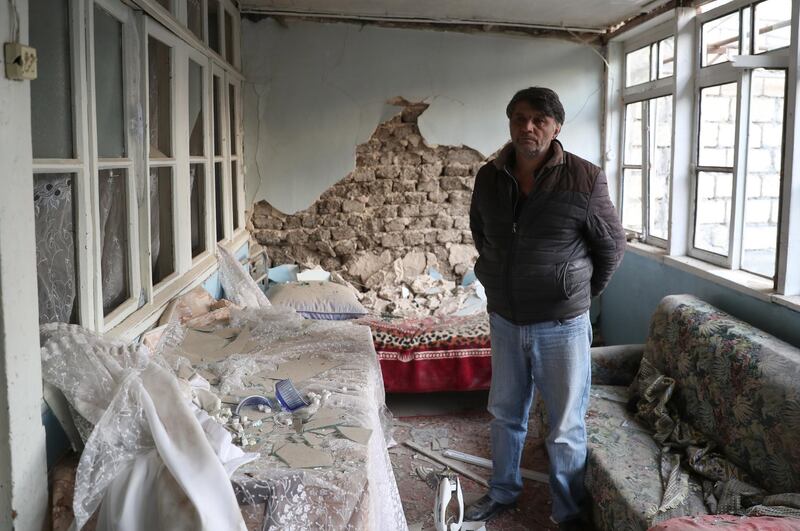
{"points": [[21, 61]]}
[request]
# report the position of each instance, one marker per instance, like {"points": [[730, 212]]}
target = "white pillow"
{"points": [[318, 300]]}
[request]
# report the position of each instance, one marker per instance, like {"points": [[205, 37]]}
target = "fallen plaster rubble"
{"points": [[225, 360], [413, 288]]}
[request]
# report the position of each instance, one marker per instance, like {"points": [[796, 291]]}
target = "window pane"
{"points": [[217, 118], [213, 26], [198, 208], [161, 236], [113, 211], [228, 37], [218, 204], [713, 211], [232, 116], [720, 39], [54, 210], [708, 6], [160, 99], [108, 85], [660, 161], [717, 125], [632, 199], [633, 134], [764, 156], [194, 17], [51, 92], [666, 57], [165, 4], [234, 195], [196, 131], [637, 67], [772, 24]]}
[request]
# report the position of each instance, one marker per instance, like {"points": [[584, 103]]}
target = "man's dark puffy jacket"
{"points": [[564, 247]]}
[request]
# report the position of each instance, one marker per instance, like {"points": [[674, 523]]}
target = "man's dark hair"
{"points": [[542, 99]]}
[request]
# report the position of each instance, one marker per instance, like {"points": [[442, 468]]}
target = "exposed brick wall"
{"points": [[404, 198]]}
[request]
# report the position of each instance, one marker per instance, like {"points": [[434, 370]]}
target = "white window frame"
{"points": [[158, 32], [146, 302], [223, 158], [235, 144], [131, 163], [78, 166], [644, 93], [739, 71], [206, 159], [785, 289]]}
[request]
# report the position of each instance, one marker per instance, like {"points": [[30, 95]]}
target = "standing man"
{"points": [[548, 240]]}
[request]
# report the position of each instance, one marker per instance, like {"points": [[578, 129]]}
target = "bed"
{"points": [[428, 354], [417, 352]]}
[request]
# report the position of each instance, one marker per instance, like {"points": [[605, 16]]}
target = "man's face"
{"points": [[531, 130]]}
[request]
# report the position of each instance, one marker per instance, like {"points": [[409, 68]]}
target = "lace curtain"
{"points": [[54, 211], [55, 247]]}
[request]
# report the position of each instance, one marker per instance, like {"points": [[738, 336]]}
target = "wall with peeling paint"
{"points": [[314, 91]]}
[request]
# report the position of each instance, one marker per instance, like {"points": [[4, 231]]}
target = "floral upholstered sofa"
{"points": [[704, 418]]}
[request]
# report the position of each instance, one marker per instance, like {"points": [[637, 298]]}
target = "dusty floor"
{"points": [[462, 419]]}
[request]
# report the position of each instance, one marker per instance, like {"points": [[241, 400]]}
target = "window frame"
{"points": [[644, 93], [82, 183], [145, 302], [784, 288], [738, 70], [206, 159], [131, 163]]}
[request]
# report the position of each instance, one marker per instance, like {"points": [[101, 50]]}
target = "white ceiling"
{"points": [[591, 15]]}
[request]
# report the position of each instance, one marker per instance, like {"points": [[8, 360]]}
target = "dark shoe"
{"points": [[485, 509], [575, 524]]}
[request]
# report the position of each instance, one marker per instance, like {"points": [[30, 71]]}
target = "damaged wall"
{"points": [[405, 200], [315, 91]]}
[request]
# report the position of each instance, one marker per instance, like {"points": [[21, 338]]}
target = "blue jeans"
{"points": [[553, 358]]}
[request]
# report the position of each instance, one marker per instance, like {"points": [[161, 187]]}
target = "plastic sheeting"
{"points": [[239, 286]]}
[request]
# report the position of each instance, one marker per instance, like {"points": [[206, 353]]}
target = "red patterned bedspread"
{"points": [[427, 354]]}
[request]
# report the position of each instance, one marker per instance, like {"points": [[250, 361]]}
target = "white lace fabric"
{"points": [[147, 455], [147, 460]]}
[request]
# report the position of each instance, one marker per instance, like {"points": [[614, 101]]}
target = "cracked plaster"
{"points": [[315, 91]]}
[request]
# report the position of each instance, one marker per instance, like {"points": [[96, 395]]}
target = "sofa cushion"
{"points": [[735, 384], [623, 470]]}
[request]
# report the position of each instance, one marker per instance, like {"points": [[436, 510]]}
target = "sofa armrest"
{"points": [[616, 365]]}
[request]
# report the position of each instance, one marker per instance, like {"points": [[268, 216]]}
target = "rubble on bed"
{"points": [[320, 447], [406, 289]]}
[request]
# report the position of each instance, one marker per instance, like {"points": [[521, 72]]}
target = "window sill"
{"points": [[741, 281], [146, 316]]}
